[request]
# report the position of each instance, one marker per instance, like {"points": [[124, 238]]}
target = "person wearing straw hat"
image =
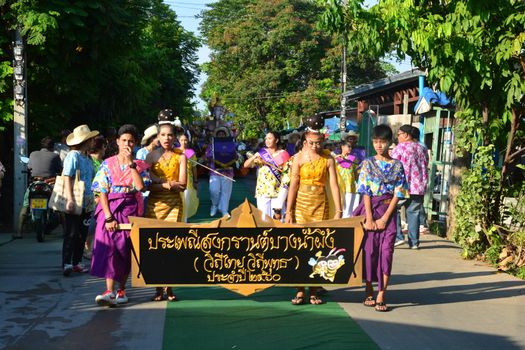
{"points": [[149, 142], [76, 226]]}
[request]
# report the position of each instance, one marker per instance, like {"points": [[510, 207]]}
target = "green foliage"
{"points": [[475, 52], [271, 65], [492, 254], [99, 62], [474, 210]]}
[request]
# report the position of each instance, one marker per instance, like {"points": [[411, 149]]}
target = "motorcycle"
{"points": [[43, 218]]}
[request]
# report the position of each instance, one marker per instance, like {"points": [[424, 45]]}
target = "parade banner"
{"points": [[246, 253]]}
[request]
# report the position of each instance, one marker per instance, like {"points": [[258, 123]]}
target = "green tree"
{"points": [[474, 51], [271, 64], [98, 62]]}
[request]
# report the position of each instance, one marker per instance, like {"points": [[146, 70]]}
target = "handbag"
{"points": [[58, 198]]}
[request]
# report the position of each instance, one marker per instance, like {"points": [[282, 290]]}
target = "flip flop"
{"points": [[298, 300], [369, 301], [381, 307], [157, 297], [314, 300]]}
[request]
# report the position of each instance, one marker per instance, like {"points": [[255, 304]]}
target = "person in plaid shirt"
{"points": [[414, 157]]}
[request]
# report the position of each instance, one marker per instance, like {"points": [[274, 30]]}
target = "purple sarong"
{"points": [[112, 250], [379, 245]]}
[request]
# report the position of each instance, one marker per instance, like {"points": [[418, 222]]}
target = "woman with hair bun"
{"points": [[307, 196]]}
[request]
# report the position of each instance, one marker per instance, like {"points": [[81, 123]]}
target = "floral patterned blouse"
{"points": [[102, 182], [379, 177], [267, 184]]}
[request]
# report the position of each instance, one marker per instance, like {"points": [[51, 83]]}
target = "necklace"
{"points": [[166, 156]]}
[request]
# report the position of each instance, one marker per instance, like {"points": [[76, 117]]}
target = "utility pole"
{"points": [[342, 120], [20, 124]]}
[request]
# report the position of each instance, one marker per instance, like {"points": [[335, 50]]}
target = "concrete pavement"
{"points": [[439, 301]]}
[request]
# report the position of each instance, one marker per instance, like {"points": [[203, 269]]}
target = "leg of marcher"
{"points": [[264, 204], [380, 301], [226, 192], [215, 188], [369, 291]]}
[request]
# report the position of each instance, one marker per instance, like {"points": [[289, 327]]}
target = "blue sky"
{"points": [[187, 10]]}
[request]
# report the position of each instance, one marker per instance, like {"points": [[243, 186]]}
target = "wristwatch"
{"points": [[133, 165]]}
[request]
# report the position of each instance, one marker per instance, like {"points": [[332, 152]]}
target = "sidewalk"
{"points": [[440, 301]]}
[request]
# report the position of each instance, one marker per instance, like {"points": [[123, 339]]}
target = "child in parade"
{"points": [[118, 183], [347, 176], [382, 183]]}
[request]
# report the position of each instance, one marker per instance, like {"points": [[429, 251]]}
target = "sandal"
{"points": [[381, 307], [314, 300], [159, 295], [169, 293], [369, 301], [298, 300]]}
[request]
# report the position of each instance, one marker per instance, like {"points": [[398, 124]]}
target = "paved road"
{"points": [[439, 301]]}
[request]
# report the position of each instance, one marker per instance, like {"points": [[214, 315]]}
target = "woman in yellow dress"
{"points": [[168, 174], [307, 196]]}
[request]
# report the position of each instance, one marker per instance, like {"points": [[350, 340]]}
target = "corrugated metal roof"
{"points": [[381, 84]]}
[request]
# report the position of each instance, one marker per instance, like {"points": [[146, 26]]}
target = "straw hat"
{"points": [[149, 133], [80, 134], [222, 128]]}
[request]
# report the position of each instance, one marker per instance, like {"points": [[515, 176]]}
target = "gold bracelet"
{"points": [[338, 211]]}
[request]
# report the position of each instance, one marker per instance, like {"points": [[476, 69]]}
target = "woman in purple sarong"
{"points": [[382, 183], [119, 182]]}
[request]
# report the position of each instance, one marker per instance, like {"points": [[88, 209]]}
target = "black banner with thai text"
{"points": [[276, 255]]}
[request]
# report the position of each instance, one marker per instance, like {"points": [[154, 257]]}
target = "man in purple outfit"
{"points": [[414, 157]]}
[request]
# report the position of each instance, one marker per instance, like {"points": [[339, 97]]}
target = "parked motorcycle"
{"points": [[43, 218], [39, 194]]}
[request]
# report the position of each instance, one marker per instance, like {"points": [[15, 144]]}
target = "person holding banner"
{"points": [[382, 183], [168, 174], [347, 175], [270, 161], [191, 201], [307, 196], [118, 182], [222, 155]]}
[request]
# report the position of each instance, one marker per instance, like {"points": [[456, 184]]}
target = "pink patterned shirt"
{"points": [[414, 157]]}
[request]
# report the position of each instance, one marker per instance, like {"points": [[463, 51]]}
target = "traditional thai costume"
{"points": [[312, 203], [112, 250], [269, 178], [346, 178], [191, 200], [381, 180], [222, 155], [166, 205]]}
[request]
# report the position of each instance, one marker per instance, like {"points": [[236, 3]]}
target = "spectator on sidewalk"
{"points": [[60, 147], [414, 157]]}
